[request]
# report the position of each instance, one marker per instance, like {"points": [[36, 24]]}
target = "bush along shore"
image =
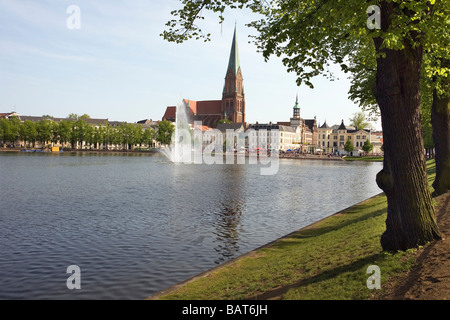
{"points": [[335, 258]]}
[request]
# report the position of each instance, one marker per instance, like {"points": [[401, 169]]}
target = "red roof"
{"points": [[170, 113], [202, 127], [209, 107], [192, 105]]}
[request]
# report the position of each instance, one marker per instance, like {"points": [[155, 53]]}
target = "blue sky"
{"points": [[117, 66]]}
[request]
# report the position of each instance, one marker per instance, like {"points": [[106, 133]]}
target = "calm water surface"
{"points": [[137, 224]]}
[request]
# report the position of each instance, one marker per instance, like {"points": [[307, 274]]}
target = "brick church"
{"points": [[232, 104]]}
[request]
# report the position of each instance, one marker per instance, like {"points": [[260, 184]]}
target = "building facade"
{"points": [[306, 134], [331, 140]]}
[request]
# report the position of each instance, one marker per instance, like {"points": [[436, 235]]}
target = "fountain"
{"points": [[180, 149]]}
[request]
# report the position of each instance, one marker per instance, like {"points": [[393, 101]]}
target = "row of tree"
{"points": [[77, 131]]}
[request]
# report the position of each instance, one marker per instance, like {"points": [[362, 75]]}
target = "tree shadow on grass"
{"points": [[323, 276], [345, 219]]}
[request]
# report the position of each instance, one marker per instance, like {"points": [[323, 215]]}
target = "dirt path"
{"points": [[430, 280]]}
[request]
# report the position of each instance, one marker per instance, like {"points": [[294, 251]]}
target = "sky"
{"points": [[116, 65]]}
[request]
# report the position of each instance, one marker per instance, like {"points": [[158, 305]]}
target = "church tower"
{"points": [[233, 98], [296, 120]]}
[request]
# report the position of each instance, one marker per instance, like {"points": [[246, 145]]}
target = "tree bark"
{"points": [[440, 121], [411, 218]]}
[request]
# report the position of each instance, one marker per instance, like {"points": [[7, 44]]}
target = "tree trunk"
{"points": [[411, 218], [440, 121]]}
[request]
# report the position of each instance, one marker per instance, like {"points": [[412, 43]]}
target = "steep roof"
{"points": [[234, 63], [296, 103], [325, 125], [170, 113], [310, 123], [342, 126]]}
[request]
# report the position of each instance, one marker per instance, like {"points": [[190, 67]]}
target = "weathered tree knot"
{"points": [[384, 181]]}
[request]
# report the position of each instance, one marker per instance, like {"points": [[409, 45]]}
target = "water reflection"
{"points": [[228, 218]]}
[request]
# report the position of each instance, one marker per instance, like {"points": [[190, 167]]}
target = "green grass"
{"points": [[372, 159], [327, 260]]}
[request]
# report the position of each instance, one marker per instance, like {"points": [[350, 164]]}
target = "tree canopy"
{"points": [[164, 132], [348, 146], [359, 121]]}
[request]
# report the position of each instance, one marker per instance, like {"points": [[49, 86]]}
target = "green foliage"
{"points": [[72, 116], [148, 136], [73, 131], [28, 131], [368, 146], [225, 121], [164, 133], [348, 146], [10, 129], [45, 130], [359, 121], [2, 132], [64, 131]]}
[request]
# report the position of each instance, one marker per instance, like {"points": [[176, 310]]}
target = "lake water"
{"points": [[136, 224]]}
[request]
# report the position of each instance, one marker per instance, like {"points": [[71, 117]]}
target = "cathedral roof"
{"points": [[234, 63]]}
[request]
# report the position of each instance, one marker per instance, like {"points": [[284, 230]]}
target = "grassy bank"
{"points": [[327, 260], [373, 159]]}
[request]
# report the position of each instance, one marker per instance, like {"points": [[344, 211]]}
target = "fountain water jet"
{"points": [[180, 149]]}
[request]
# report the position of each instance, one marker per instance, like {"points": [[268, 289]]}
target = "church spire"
{"points": [[234, 63], [233, 98], [296, 109], [296, 103]]}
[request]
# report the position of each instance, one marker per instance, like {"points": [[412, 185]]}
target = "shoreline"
{"points": [[157, 151], [313, 157], [253, 252], [154, 151], [334, 251]]}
